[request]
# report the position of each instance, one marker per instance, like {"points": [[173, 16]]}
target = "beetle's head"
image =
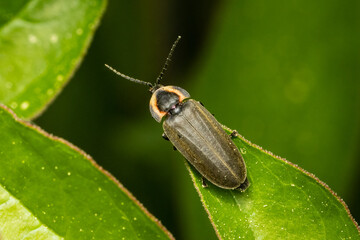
{"points": [[164, 98]]}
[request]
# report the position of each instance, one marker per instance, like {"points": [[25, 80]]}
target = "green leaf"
{"points": [[41, 44], [282, 202], [51, 189]]}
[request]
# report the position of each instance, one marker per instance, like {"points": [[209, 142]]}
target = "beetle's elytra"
{"points": [[195, 132]]}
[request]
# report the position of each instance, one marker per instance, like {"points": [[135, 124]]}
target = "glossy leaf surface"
{"points": [[41, 44], [49, 189]]}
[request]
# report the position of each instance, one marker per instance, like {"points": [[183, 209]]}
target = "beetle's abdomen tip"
{"points": [[245, 185]]}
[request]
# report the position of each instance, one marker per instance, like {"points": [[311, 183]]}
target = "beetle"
{"points": [[195, 132]]}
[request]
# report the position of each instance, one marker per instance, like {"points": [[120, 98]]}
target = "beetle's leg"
{"points": [[174, 148], [165, 137], [234, 134], [243, 186], [203, 182]]}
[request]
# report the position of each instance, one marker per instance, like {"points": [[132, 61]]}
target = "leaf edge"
{"points": [[92, 161]]}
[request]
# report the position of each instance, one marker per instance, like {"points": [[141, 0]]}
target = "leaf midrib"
{"points": [[41, 223]]}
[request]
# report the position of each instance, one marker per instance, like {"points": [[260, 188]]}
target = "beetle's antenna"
{"points": [[168, 59], [129, 78]]}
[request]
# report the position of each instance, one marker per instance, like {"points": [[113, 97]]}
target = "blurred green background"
{"points": [[285, 74]]}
